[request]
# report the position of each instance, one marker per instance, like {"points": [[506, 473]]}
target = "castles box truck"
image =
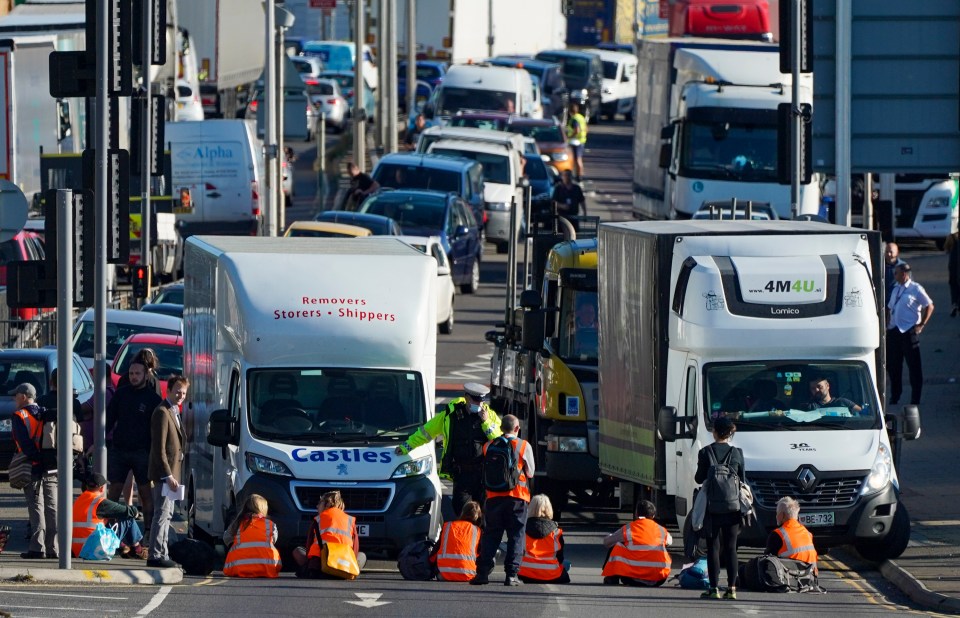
{"points": [[704, 319], [310, 360]]}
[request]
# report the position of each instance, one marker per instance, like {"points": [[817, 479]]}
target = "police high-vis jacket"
{"points": [[253, 553], [440, 425]]}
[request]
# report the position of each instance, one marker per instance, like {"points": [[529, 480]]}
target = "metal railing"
{"points": [[41, 329]]}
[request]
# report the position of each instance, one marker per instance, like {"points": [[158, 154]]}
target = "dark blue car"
{"points": [[429, 71], [541, 178], [434, 213]]}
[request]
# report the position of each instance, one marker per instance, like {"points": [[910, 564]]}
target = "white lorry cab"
{"points": [[305, 377], [619, 93], [483, 87], [777, 325]]}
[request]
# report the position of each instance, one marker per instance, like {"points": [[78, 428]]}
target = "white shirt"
{"points": [[529, 467], [906, 303]]}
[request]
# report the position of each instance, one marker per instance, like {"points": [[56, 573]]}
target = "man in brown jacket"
{"points": [[166, 455]]}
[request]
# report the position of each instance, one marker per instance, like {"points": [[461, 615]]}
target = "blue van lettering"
{"points": [[347, 455], [316, 456], [215, 152], [369, 457], [333, 456], [385, 458], [296, 454]]}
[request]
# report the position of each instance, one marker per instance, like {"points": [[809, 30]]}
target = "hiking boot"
{"points": [[731, 593], [32, 555], [512, 580], [162, 563], [713, 593]]}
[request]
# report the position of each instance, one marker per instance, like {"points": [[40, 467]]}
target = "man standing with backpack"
{"points": [[508, 469], [720, 470]]}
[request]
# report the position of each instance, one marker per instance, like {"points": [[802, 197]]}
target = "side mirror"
{"points": [[531, 337], [667, 132], [667, 423], [222, 429], [530, 299], [911, 422], [460, 231]]}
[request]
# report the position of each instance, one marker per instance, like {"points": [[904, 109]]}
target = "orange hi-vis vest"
{"points": [[540, 557], [457, 558], [642, 554], [522, 490], [253, 553], [333, 526], [797, 542], [34, 427], [85, 519]]}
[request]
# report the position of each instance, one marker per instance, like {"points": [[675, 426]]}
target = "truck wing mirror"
{"points": [[667, 423], [667, 133], [534, 326], [222, 429], [493, 336], [911, 422], [666, 151], [530, 299]]}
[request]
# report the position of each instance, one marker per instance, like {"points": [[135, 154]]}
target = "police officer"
{"points": [[467, 424]]}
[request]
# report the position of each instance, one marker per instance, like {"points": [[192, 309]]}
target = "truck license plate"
{"points": [[816, 519], [363, 529]]}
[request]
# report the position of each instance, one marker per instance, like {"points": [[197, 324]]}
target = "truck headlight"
{"points": [[259, 463], [414, 467], [498, 206], [566, 444], [880, 473], [560, 156], [939, 202]]}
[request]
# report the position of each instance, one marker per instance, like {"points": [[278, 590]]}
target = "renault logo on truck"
{"points": [[807, 479]]}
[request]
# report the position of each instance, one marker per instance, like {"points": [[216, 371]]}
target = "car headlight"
{"points": [[414, 467], [566, 444], [584, 94], [939, 202], [259, 463], [560, 156], [880, 473], [498, 206]]}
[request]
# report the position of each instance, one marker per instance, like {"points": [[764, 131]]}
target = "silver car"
{"points": [[326, 99]]}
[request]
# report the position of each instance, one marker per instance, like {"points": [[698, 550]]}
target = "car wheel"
{"points": [[473, 285], [447, 327]]}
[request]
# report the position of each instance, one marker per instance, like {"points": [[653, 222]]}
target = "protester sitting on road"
{"points": [[92, 507], [792, 539], [543, 561], [638, 551], [456, 553], [820, 396], [331, 525], [250, 540]]}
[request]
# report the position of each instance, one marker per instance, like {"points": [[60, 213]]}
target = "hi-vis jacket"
{"points": [[85, 519], [797, 542], [540, 557], [253, 553], [522, 490], [642, 554], [456, 557], [334, 526], [440, 425]]}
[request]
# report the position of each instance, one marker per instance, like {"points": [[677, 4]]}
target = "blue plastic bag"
{"points": [[694, 577], [102, 544]]}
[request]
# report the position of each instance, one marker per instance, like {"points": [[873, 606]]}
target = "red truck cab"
{"points": [[725, 19]]}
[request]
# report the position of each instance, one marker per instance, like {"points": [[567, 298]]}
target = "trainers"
{"points": [[713, 593], [611, 580], [512, 580], [731, 593], [480, 580], [32, 555], [161, 563], [138, 552]]}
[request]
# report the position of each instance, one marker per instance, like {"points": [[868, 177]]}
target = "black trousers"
{"points": [[502, 515], [467, 486], [722, 540], [904, 347]]}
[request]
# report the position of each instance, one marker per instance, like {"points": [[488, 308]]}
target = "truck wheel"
{"points": [[473, 285], [193, 530], [892, 545]]}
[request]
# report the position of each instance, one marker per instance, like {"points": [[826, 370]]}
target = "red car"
{"points": [[169, 349]]}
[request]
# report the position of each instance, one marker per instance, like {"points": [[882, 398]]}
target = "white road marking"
{"points": [[477, 370], [155, 601], [368, 599], [561, 604], [69, 609], [70, 596]]}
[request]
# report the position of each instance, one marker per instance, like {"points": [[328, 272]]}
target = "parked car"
{"points": [[121, 323], [583, 75], [33, 366], [345, 80], [169, 294], [542, 179], [325, 229], [169, 350], [434, 213], [173, 309], [429, 73], [550, 137], [377, 224], [445, 288], [554, 95], [328, 102], [189, 106]]}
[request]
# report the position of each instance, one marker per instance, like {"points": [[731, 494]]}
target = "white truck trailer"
{"points": [[705, 127], [310, 360], [707, 319]]}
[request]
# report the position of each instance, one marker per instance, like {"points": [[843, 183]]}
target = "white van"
{"points": [[619, 93], [219, 162], [342, 56], [482, 87]]}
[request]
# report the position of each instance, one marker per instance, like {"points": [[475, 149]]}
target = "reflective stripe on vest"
{"points": [[34, 427], [642, 554], [457, 558], [797, 542], [521, 491], [85, 519], [540, 557], [333, 526], [253, 553]]}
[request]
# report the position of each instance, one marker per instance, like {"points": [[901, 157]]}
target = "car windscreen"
{"points": [[298, 233], [411, 212], [14, 372], [334, 57], [320, 88], [334, 405], [425, 73], [575, 70], [540, 133], [496, 168], [170, 357], [535, 168], [170, 296], [451, 100], [116, 335], [396, 176], [491, 124]]}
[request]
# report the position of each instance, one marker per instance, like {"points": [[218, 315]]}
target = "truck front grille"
{"points": [[835, 492], [355, 498]]}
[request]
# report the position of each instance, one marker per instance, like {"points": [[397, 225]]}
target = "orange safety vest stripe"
{"points": [[457, 557], [253, 553], [642, 554], [522, 490], [334, 526], [34, 427], [797, 542], [540, 557], [85, 519]]}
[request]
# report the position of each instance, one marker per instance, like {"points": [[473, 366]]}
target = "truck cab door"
{"points": [[682, 453], [224, 458]]}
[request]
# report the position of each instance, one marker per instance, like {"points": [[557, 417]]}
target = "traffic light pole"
{"points": [[359, 120], [65, 294], [796, 117], [146, 147], [102, 139]]}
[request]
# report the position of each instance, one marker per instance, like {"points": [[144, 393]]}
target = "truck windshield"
{"points": [[334, 405], [791, 395], [578, 325], [729, 151], [451, 100]]}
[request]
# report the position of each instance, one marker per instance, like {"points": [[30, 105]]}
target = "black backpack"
{"points": [[500, 469], [414, 561], [196, 557], [775, 574], [722, 484]]}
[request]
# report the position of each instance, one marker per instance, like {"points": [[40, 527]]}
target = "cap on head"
{"points": [[95, 479], [476, 390], [26, 389]]}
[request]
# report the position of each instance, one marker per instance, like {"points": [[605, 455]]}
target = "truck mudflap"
{"points": [[869, 519], [390, 514]]}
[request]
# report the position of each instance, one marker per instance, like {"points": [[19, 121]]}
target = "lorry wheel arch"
{"points": [[892, 545]]}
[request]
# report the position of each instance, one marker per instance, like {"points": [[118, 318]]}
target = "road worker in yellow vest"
{"points": [[251, 541], [92, 507], [542, 561], [791, 539], [456, 553], [638, 554]]}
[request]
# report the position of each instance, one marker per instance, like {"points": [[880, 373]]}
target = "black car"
{"points": [[33, 367], [583, 74]]}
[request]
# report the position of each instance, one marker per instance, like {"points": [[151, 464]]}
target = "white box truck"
{"points": [[703, 319], [310, 360], [705, 127]]}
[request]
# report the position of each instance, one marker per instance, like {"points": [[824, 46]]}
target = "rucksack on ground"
{"points": [[500, 469], [196, 557], [774, 574], [722, 484], [694, 577], [414, 561]]}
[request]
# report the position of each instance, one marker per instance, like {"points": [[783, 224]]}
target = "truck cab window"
{"points": [[578, 312]]}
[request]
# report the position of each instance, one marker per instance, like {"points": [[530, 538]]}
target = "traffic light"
{"points": [[141, 281]]}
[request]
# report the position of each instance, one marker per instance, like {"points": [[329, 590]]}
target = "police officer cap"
{"points": [[475, 390]]}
